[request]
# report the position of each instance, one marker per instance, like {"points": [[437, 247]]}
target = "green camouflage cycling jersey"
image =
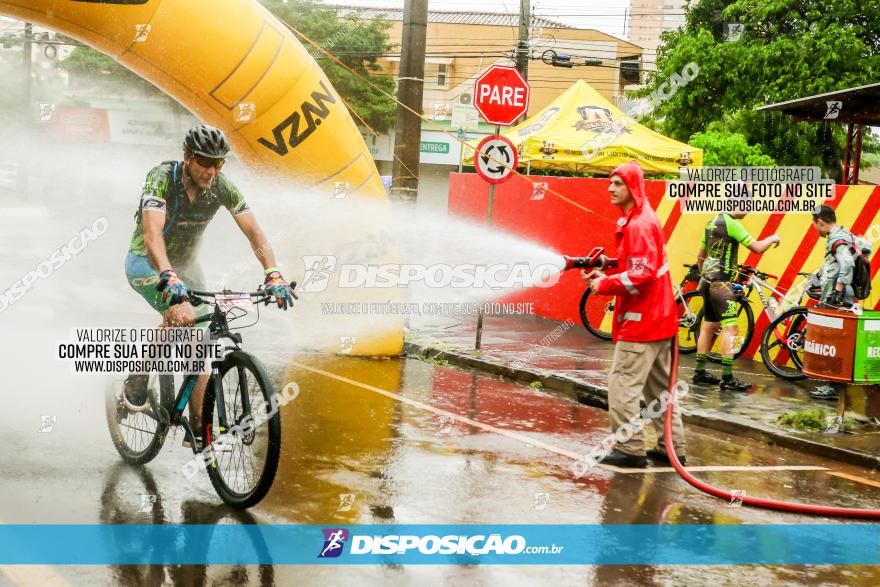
{"points": [[721, 241], [185, 222]]}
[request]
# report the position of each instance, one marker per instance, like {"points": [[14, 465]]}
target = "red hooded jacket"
{"points": [[644, 308]]}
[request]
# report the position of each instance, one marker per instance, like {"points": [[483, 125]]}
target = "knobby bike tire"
{"points": [[122, 434], [585, 319], [243, 362], [798, 317]]}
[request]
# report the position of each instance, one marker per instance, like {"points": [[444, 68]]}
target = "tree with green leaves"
{"points": [[722, 148], [96, 67], [356, 43], [788, 49]]}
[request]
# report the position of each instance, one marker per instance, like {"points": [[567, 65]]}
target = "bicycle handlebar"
{"points": [[196, 297], [749, 270], [213, 294]]}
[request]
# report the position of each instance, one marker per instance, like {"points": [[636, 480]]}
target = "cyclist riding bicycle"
{"points": [[717, 260], [179, 199]]}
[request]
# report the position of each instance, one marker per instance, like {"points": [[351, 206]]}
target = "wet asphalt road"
{"points": [[402, 463], [397, 454]]}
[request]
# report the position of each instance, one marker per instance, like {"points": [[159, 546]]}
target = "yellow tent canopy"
{"points": [[581, 131]]}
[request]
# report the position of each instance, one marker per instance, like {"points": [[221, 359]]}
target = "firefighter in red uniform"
{"points": [[645, 322]]}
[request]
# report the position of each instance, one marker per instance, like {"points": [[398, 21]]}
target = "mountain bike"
{"points": [[782, 343], [597, 312], [242, 467], [774, 302], [745, 317]]}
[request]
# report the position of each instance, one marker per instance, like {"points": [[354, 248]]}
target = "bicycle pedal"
{"points": [[227, 446], [187, 442]]}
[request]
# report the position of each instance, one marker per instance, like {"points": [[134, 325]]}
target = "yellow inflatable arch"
{"points": [[235, 66]]}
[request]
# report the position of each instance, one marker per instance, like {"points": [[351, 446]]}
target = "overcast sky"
{"points": [[604, 15]]}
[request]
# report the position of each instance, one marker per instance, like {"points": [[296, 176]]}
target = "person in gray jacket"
{"points": [[836, 275], [837, 272]]}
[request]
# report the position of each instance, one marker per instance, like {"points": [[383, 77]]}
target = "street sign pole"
{"points": [[491, 207], [462, 134], [501, 96]]}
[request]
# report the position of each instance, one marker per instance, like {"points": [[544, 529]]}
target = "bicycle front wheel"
{"points": [[241, 430], [688, 307], [597, 314], [782, 345]]}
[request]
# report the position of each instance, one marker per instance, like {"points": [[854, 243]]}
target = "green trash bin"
{"points": [[866, 368]]}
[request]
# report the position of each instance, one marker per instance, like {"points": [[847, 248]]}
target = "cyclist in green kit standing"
{"points": [[717, 260]]}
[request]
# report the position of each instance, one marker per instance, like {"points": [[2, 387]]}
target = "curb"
{"points": [[593, 395]]}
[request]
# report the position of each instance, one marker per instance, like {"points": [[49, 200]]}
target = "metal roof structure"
{"points": [[860, 105], [854, 106], [456, 17]]}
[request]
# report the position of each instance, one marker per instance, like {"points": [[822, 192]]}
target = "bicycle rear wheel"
{"points": [[746, 328], [597, 314], [242, 454], [782, 344], [138, 436]]}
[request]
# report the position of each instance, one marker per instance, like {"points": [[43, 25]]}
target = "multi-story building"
{"points": [[460, 45], [647, 20]]}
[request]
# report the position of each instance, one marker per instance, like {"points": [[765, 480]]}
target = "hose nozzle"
{"points": [[577, 262], [595, 260]]}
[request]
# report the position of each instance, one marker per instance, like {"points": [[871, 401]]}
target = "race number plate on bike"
{"points": [[228, 301]]}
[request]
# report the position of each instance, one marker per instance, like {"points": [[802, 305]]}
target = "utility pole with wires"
{"points": [[27, 67], [23, 175], [522, 45], [410, 89]]}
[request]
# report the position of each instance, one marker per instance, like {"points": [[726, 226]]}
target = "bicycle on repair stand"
{"points": [[774, 303], [243, 464], [782, 344]]}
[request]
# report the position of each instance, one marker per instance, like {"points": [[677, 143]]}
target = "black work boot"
{"points": [[659, 454], [703, 377], [621, 459]]}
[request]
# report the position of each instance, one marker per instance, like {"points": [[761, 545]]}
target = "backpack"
{"points": [[860, 249]]}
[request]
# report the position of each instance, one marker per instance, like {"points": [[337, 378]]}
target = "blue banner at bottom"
{"points": [[795, 544]]}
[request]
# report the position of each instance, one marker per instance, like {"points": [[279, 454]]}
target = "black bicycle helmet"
{"points": [[207, 141]]}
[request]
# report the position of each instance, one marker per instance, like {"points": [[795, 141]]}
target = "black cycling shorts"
{"points": [[720, 304]]}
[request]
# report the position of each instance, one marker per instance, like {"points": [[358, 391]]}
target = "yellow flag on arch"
{"points": [[583, 132]]}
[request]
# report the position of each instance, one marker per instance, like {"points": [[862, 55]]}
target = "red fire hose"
{"points": [[596, 258], [771, 504]]}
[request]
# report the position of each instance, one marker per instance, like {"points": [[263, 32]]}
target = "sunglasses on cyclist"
{"points": [[207, 162]]}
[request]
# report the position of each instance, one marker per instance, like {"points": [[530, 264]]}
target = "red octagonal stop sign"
{"points": [[501, 95]]}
